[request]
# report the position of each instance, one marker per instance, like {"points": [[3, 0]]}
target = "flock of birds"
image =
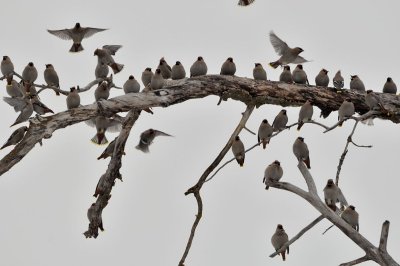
{"points": [[24, 99]]}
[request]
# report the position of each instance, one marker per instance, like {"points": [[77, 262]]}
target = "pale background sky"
{"points": [[44, 199]]}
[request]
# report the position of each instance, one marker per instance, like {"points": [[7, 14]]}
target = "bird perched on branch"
{"points": [[178, 71], [238, 150], [102, 91], [286, 75], [7, 67], [147, 74], [228, 67], [351, 217], [73, 99], [265, 132], [301, 152], [51, 77], [299, 75], [13, 88], [199, 68], [273, 173], [157, 80], [76, 34], [280, 121], [147, 137], [15, 137], [109, 150], [279, 238], [346, 110], [29, 74], [259, 72], [305, 114], [166, 70], [338, 81], [131, 85], [389, 86], [322, 78], [356, 84], [288, 55]]}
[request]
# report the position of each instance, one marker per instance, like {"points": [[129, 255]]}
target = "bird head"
{"points": [[298, 50], [352, 207], [257, 64], [389, 79], [71, 89], [148, 69], [299, 66], [277, 162], [5, 57], [158, 71], [330, 182], [30, 64], [369, 91], [286, 68], [353, 77], [131, 77], [237, 138], [283, 111], [177, 63], [77, 25], [301, 139], [279, 226], [325, 71], [49, 65], [96, 52], [265, 121], [230, 59], [199, 58]]}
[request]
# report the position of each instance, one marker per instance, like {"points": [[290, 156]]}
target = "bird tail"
{"points": [[332, 207], [143, 147], [116, 67], [368, 121], [275, 64], [340, 123], [264, 143], [307, 162], [99, 139], [301, 123], [5, 145], [283, 255], [240, 160], [102, 156], [76, 47]]}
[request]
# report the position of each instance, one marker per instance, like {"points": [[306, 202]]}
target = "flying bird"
{"points": [[15, 137], [76, 34], [147, 137]]}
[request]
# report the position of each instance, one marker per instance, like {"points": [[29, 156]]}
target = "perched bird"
{"points": [[105, 56], [331, 194], [39, 107], [356, 84], [351, 217], [102, 91], [259, 72], [29, 74], [166, 70], [322, 78], [279, 238], [109, 150], [23, 105], [228, 67], [178, 71], [346, 110], [238, 150], [157, 80], [15, 137], [245, 2], [338, 81], [7, 67], [390, 86], [288, 55], [51, 77], [131, 85], [301, 152], [147, 137], [76, 34], [305, 114], [299, 75], [199, 68], [372, 100], [103, 124], [286, 75], [280, 121], [13, 87], [101, 70], [147, 74], [273, 173], [73, 99], [29, 89], [265, 132]]}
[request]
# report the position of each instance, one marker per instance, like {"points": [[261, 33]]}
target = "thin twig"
{"points": [[327, 229], [302, 232], [384, 236], [357, 261], [251, 132]]}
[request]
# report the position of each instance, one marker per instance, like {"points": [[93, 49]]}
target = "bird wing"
{"points": [[160, 133], [112, 48], [300, 60], [114, 125], [91, 122], [90, 31], [18, 103], [62, 34], [280, 46]]}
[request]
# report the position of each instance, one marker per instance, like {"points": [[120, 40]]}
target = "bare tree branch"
{"points": [[384, 236], [302, 232], [356, 261]]}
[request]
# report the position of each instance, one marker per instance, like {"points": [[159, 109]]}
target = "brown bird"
{"points": [[238, 150], [346, 110], [273, 173], [322, 78], [286, 75], [280, 121], [265, 132], [288, 55], [305, 114], [351, 217], [279, 238], [301, 152], [389, 86]]}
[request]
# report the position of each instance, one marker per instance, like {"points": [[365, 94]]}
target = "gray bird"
{"points": [[157, 81], [288, 55], [76, 34], [29, 89], [280, 121], [273, 173], [299, 75], [338, 81], [228, 67], [245, 2], [15, 137], [390, 86], [259, 72], [29, 74], [286, 75], [346, 110], [13, 87], [265, 132], [73, 99], [147, 74], [51, 77], [39, 107], [238, 150], [356, 84], [101, 70], [105, 56], [199, 68], [102, 125], [322, 78], [305, 114], [372, 100], [108, 151], [331, 194], [351, 217], [279, 238], [301, 152], [178, 71], [23, 105], [166, 70], [102, 91], [131, 85], [7, 67], [147, 137]]}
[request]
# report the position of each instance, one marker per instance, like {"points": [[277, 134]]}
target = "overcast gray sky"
{"points": [[44, 199]]}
